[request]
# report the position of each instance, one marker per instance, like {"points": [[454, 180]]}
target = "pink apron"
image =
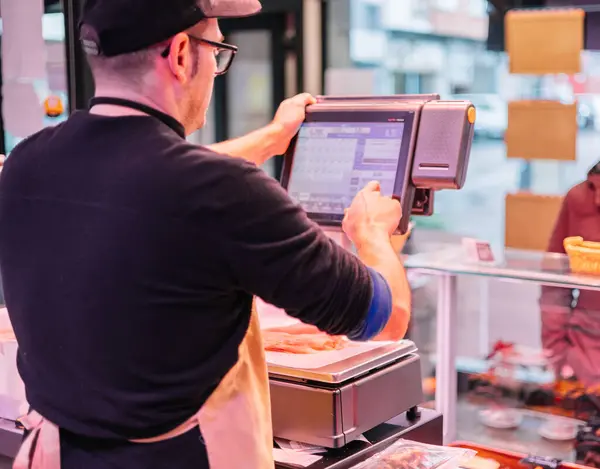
{"points": [[240, 405]]}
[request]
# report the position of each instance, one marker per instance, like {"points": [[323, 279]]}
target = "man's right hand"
{"points": [[371, 215], [369, 223]]}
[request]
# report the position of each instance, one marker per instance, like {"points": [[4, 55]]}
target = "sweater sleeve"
{"points": [[274, 251]]}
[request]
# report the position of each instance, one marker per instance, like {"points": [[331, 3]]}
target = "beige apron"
{"points": [[238, 412]]}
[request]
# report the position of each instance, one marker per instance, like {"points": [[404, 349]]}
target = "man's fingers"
{"points": [[373, 186], [306, 98]]}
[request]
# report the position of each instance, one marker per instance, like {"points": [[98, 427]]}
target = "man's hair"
{"points": [[125, 65], [133, 66], [595, 169]]}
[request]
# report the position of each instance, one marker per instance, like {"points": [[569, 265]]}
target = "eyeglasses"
{"points": [[224, 53]]}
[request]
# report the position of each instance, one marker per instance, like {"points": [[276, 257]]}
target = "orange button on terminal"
{"points": [[471, 114]]}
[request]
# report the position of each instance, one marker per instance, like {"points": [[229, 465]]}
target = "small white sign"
{"points": [[478, 251]]}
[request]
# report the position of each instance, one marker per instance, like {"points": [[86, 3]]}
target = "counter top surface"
{"points": [[532, 266]]}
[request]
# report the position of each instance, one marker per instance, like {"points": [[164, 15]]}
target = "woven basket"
{"points": [[584, 256]]}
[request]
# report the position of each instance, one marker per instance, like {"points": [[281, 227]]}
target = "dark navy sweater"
{"points": [[129, 258]]}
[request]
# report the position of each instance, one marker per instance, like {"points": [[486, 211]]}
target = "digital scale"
{"points": [[413, 145]]}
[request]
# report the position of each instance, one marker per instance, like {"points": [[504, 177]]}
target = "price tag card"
{"points": [[478, 251]]}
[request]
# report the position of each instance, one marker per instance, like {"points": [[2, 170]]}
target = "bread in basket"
{"points": [[584, 256]]}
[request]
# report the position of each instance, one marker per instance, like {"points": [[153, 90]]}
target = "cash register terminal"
{"points": [[412, 144]]}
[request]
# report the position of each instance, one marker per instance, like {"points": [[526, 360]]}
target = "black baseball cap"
{"points": [[115, 27]]}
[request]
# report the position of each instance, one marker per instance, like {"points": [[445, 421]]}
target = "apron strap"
{"points": [[185, 427], [41, 447]]}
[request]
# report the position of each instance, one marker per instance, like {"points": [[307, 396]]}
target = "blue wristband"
{"points": [[380, 309]]}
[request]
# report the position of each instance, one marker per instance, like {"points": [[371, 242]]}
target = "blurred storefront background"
{"points": [[389, 47], [440, 46]]}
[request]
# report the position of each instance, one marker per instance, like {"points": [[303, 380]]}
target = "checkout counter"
{"points": [[357, 402]]}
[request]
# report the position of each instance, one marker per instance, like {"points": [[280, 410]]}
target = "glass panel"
{"points": [[545, 345], [440, 46], [250, 85], [27, 85], [523, 352], [516, 265]]}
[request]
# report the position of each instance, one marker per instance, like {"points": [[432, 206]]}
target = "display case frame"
{"points": [[448, 262]]}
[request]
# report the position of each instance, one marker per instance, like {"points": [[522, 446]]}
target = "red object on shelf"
{"points": [[506, 459], [501, 347]]}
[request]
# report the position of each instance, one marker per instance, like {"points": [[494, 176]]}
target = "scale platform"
{"points": [[338, 366], [334, 404]]}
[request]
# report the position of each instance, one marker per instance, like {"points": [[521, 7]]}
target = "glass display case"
{"points": [[524, 300]]}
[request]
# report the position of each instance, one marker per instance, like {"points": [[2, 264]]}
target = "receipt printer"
{"points": [[412, 144]]}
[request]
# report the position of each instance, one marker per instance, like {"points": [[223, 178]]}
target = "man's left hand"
{"points": [[273, 139], [289, 118]]}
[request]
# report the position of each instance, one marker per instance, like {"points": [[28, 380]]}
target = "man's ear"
{"points": [[179, 56]]}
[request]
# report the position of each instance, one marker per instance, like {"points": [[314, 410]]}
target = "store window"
{"points": [[456, 64], [448, 5], [34, 92], [478, 8], [372, 16]]}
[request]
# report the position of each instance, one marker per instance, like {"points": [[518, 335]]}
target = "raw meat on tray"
{"points": [[301, 339]]}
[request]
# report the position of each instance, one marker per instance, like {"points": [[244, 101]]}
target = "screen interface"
{"points": [[333, 161]]}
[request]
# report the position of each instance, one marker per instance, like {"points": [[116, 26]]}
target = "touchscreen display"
{"points": [[333, 161]]}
